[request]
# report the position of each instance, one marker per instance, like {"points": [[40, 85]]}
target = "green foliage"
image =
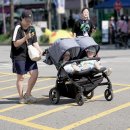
{"points": [[108, 16], [97, 36], [43, 40], [5, 39]]}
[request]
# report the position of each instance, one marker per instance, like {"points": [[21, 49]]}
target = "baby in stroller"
{"points": [[83, 65], [75, 85]]}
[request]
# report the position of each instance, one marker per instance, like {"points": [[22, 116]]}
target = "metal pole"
{"points": [[59, 21], [3, 15], [81, 4], [86, 3], [49, 13], [11, 15]]}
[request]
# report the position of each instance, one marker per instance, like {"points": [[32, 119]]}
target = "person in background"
{"points": [[64, 24], [83, 26], [24, 34], [71, 22], [112, 30], [122, 30]]}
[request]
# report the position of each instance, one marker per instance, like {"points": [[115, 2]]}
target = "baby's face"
{"points": [[90, 54], [66, 57]]}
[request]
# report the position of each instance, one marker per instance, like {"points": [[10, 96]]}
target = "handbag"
{"points": [[33, 53]]}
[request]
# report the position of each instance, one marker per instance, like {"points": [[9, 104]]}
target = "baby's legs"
{"points": [[97, 65], [108, 71]]}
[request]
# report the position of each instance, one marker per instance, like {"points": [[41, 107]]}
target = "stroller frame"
{"points": [[79, 84], [71, 88]]}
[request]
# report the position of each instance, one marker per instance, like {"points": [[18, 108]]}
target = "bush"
{"points": [[97, 36], [43, 40], [5, 39]]}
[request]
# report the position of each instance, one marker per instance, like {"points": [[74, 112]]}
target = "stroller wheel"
{"points": [[79, 99], [54, 96], [108, 94], [89, 95]]}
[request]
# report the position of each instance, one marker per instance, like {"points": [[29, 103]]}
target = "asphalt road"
{"points": [[95, 114]]}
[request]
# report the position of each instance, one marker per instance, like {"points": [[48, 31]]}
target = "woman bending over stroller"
{"points": [[83, 65]]}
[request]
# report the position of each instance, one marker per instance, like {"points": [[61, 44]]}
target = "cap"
{"points": [[91, 49], [27, 14]]}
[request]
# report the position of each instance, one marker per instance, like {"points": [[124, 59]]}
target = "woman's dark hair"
{"points": [[84, 9]]}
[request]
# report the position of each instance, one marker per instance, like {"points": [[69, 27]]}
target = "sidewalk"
{"points": [[107, 47]]}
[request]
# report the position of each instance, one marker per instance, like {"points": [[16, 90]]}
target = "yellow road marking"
{"points": [[29, 124], [68, 106], [65, 107], [10, 108], [23, 84], [26, 76], [7, 73], [47, 113], [55, 110], [34, 90], [50, 79], [3, 81], [20, 105], [126, 85], [52, 111], [4, 75], [7, 88], [94, 117]]}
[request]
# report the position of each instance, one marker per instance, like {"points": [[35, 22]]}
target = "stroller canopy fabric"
{"points": [[86, 42], [57, 50]]}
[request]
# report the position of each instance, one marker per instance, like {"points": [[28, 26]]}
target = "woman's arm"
{"points": [[22, 40]]}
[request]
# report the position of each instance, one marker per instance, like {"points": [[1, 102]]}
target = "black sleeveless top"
{"points": [[21, 52]]}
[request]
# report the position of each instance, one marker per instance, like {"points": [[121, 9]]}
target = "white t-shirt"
{"points": [[68, 68]]}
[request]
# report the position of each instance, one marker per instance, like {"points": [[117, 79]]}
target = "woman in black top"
{"points": [[24, 34], [83, 26]]}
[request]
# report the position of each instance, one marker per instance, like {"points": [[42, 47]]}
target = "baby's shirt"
{"points": [[68, 68], [89, 64]]}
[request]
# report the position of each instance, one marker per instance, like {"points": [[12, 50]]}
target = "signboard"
{"points": [[61, 6], [118, 5], [105, 31]]}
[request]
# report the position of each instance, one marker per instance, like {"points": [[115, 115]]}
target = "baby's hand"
{"points": [[76, 67]]}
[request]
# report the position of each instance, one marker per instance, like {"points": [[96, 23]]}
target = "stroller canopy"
{"points": [[86, 42], [57, 50]]}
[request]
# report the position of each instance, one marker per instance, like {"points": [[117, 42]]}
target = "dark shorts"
{"points": [[22, 67]]}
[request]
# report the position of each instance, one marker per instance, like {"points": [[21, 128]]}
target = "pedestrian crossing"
{"points": [[44, 115]]}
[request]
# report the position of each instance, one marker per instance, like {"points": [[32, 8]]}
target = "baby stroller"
{"points": [[78, 84], [121, 39]]}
